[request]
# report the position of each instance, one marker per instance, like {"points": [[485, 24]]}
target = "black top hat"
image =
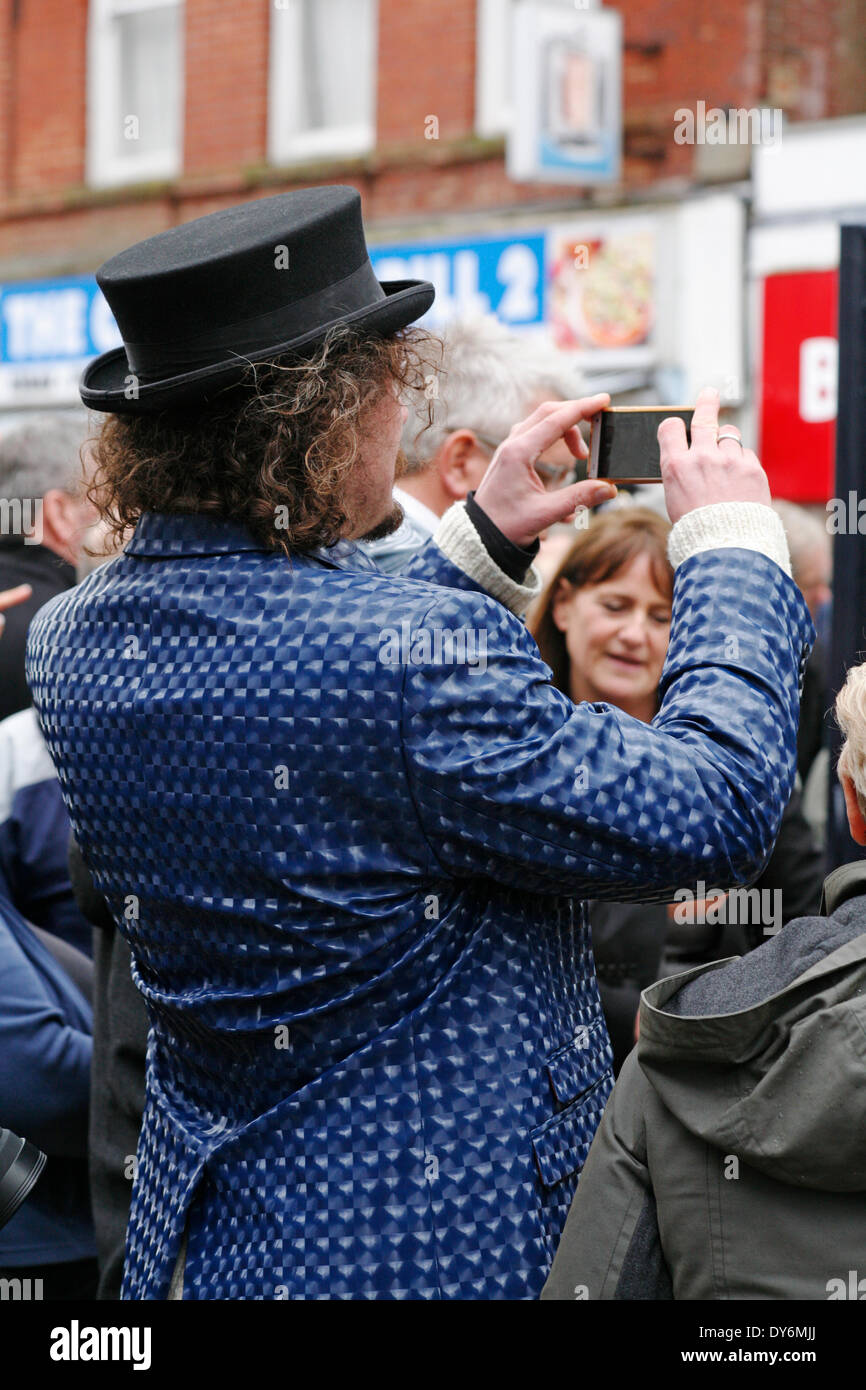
{"points": [[197, 303]]}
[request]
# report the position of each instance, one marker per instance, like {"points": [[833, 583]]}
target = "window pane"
{"points": [[507, 47], [149, 81], [334, 65]]}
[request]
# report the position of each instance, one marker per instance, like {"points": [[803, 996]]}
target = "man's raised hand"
{"points": [[9, 597], [511, 492], [711, 469]]}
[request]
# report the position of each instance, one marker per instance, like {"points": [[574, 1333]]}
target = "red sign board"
{"points": [[798, 395]]}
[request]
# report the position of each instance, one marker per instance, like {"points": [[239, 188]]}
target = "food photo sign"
{"points": [[601, 289], [591, 284]]}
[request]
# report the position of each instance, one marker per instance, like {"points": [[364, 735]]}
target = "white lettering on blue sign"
{"points": [[49, 325], [499, 275], [54, 321]]}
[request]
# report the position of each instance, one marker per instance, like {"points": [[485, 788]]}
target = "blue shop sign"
{"points": [[63, 320], [54, 321], [493, 275], [50, 329]]}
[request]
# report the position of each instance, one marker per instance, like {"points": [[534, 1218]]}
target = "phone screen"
{"points": [[624, 444]]}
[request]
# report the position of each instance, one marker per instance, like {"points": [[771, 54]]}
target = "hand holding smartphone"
{"points": [[698, 463], [624, 446]]}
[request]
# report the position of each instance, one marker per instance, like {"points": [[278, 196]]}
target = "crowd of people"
{"points": [[317, 968]]}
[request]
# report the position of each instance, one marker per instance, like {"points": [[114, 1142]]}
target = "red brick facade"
{"points": [[804, 56]]}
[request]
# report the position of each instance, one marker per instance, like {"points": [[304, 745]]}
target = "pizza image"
{"points": [[602, 292]]}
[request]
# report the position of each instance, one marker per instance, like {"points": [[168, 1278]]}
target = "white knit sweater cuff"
{"points": [[457, 538], [722, 525]]}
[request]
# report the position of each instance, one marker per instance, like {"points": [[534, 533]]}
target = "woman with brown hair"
{"points": [[602, 625], [603, 622]]}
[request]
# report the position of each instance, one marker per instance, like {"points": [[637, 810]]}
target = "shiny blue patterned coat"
{"points": [[349, 865]]}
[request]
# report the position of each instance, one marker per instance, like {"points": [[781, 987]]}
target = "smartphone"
{"points": [[623, 445]]}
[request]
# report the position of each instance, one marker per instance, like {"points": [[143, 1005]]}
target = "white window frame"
{"points": [[105, 168], [285, 148], [492, 106]]}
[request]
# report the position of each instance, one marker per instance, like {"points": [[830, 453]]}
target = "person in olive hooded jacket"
{"points": [[729, 1163]]}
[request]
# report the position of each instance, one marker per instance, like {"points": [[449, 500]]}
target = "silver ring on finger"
{"points": [[728, 433]]}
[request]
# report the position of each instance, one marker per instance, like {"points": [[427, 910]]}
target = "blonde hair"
{"points": [[851, 718]]}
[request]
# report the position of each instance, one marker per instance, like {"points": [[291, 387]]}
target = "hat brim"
{"points": [[104, 383]]}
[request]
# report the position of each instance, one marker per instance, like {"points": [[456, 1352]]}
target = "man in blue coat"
{"points": [[343, 818]]}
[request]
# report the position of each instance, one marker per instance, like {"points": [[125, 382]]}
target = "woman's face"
{"points": [[616, 635]]}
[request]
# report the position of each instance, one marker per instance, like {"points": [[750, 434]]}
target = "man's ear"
{"points": [[60, 514], [65, 519], [560, 604], [453, 464], [856, 822]]}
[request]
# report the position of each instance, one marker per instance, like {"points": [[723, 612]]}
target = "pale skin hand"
{"points": [[9, 598], [708, 471], [511, 492], [514, 497]]}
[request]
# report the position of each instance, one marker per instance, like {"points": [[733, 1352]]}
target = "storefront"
{"points": [[49, 330], [646, 299], [804, 190]]}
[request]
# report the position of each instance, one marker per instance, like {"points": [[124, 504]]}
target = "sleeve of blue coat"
{"points": [[44, 1058], [514, 782]]}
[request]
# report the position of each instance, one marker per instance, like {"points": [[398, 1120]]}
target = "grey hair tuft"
{"points": [[490, 377], [851, 718], [43, 453]]}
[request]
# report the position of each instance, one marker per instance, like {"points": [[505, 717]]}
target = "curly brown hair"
{"points": [[274, 451]]}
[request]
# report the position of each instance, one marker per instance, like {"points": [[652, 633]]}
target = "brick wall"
{"points": [[426, 67], [805, 56], [226, 93], [43, 115]]}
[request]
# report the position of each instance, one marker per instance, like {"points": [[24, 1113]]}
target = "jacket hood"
{"points": [[764, 1056]]}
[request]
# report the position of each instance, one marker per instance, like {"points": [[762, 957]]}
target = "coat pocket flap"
{"points": [[561, 1143], [577, 1067]]}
